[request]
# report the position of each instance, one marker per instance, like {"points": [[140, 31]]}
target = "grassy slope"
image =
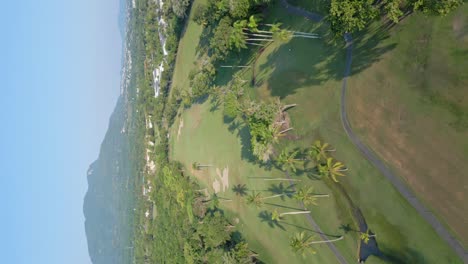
{"points": [[187, 51], [418, 93], [312, 79], [308, 74]]}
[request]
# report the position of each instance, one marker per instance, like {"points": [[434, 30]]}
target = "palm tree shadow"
{"points": [[240, 190], [265, 216], [312, 69], [279, 188], [284, 206]]}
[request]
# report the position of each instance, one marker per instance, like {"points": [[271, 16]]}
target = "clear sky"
{"points": [[60, 79]]}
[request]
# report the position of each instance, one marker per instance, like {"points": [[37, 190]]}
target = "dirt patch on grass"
{"points": [[179, 131], [195, 116], [460, 27], [224, 177], [417, 145]]}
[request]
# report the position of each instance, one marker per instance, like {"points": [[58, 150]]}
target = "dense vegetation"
{"points": [[177, 221], [348, 16]]}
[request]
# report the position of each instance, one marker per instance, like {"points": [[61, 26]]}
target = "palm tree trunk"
{"points": [[233, 66], [256, 44], [303, 36], [303, 33], [321, 195], [325, 241], [257, 35], [343, 169], [286, 107], [281, 179], [258, 39], [264, 31], [294, 213], [286, 130], [201, 166], [273, 196]]}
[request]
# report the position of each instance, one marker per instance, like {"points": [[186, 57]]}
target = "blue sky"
{"points": [[60, 74]]}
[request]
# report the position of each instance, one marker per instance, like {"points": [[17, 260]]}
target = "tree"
{"points": [[347, 16], [213, 230], [179, 7], [253, 23], [300, 243], [307, 196], [276, 216], [255, 198], [439, 7], [220, 43], [200, 14], [332, 170], [392, 7], [287, 160], [318, 151], [197, 165], [365, 236], [239, 8], [238, 38]]}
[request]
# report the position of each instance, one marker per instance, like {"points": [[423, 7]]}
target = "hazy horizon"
{"points": [[61, 83]]}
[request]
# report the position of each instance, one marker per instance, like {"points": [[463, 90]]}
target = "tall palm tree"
{"points": [[332, 169], [256, 198], [302, 244], [276, 216], [307, 196], [318, 151], [237, 37], [197, 165], [253, 23], [365, 236], [288, 160]]}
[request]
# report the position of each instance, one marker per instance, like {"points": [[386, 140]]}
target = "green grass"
{"points": [[306, 72], [205, 138], [187, 51], [418, 93]]}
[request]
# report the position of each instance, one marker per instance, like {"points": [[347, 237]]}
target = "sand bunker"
{"points": [[216, 186], [224, 177]]}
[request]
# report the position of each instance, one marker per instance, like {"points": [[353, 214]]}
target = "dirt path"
{"points": [[371, 157]]}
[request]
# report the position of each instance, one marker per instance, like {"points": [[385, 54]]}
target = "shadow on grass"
{"points": [[284, 206], [320, 61], [240, 190], [280, 188], [265, 217]]}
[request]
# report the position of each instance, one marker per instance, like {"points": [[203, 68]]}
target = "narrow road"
{"points": [[395, 180], [371, 157]]}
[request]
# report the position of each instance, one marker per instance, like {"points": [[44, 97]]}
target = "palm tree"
{"points": [[253, 23], [307, 196], [277, 131], [256, 198], [276, 216], [318, 151], [331, 170], [197, 165], [288, 160], [237, 37], [300, 243], [365, 236]]}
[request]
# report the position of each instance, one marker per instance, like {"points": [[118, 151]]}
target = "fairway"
{"points": [[307, 72], [419, 119]]}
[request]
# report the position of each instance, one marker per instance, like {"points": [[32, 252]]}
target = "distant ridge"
{"points": [[107, 203]]}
